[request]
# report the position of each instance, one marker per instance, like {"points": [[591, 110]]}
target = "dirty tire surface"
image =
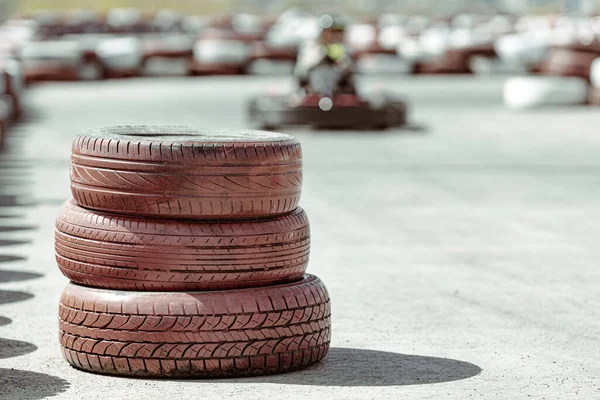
{"points": [[130, 253], [196, 334], [179, 172]]}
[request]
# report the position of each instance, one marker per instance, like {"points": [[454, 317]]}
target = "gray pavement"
{"points": [[462, 259]]}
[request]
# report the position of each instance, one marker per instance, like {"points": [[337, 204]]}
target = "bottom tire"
{"points": [[224, 333]]}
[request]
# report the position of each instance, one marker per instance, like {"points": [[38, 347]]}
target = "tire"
{"points": [[269, 127], [92, 71], [563, 62], [593, 97], [119, 252], [195, 334], [267, 117], [395, 115], [186, 173], [522, 49], [526, 92], [595, 73]]}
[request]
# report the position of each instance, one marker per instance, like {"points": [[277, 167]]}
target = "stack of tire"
{"points": [[187, 251]]}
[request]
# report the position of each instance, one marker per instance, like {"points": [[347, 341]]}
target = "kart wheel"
{"points": [[180, 172], [127, 253], [268, 127], [395, 115], [92, 71], [257, 114], [206, 334]]}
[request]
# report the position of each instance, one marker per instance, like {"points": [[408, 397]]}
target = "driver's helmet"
{"points": [[333, 26]]}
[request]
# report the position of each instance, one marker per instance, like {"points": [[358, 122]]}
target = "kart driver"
{"points": [[330, 49]]}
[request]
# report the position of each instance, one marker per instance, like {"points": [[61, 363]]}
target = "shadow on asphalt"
{"points": [[12, 216], [29, 115], [5, 321], [14, 182], [4, 258], [6, 242], [406, 130], [16, 276], [10, 200], [16, 228], [9, 296], [14, 348], [19, 384], [358, 367]]}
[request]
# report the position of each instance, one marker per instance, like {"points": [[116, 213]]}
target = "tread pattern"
{"points": [[186, 175], [128, 253], [196, 334]]}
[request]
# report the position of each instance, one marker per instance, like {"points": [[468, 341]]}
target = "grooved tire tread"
{"points": [[127, 253], [196, 334], [179, 172]]}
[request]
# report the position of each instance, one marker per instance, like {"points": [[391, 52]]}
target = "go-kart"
{"points": [[326, 106]]}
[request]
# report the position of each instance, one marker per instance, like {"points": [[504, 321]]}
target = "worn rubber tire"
{"points": [[180, 172], [127, 253], [195, 334]]}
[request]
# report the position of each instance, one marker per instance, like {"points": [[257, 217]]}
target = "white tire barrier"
{"points": [[595, 73], [539, 91], [221, 51], [384, 64], [51, 50], [120, 53], [522, 49]]}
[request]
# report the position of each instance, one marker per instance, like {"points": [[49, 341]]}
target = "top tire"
{"points": [[187, 173]]}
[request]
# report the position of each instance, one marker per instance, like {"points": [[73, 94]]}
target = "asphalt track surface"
{"points": [[461, 255]]}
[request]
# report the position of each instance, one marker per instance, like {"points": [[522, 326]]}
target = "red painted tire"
{"points": [[196, 334], [179, 172], [564, 62], [127, 253]]}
